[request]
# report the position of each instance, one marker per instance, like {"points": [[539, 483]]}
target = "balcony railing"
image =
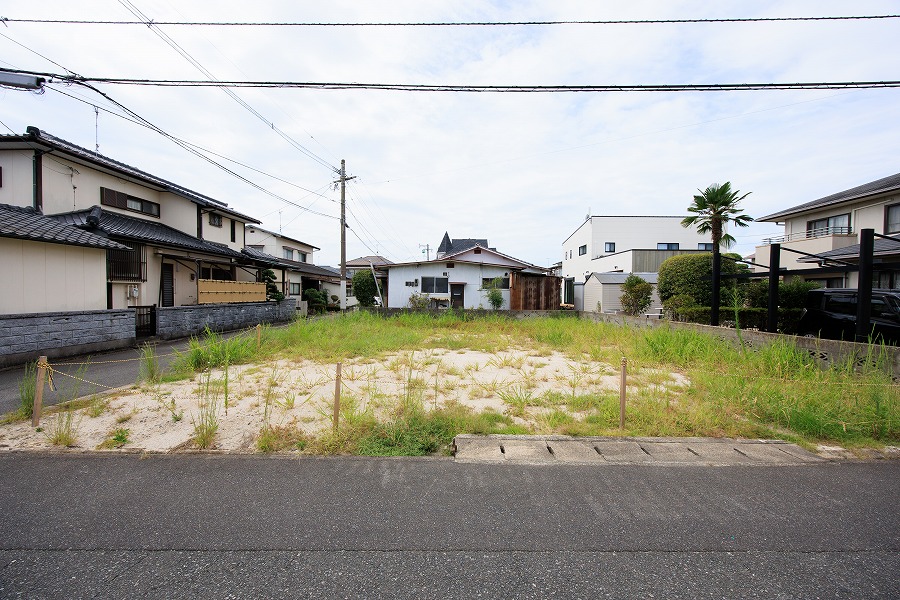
{"points": [[808, 235]]}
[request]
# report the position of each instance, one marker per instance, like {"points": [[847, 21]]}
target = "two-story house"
{"points": [[828, 227], [624, 244], [292, 262], [170, 238]]}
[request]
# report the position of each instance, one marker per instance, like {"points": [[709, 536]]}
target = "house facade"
{"points": [[374, 263], [292, 260], [460, 280], [175, 238], [829, 227], [626, 244]]}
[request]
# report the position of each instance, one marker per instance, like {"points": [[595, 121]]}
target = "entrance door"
{"points": [[167, 285], [457, 297]]}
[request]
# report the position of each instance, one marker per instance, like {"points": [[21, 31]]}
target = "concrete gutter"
{"points": [[555, 449]]}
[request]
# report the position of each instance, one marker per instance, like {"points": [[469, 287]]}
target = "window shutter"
{"points": [[113, 198]]}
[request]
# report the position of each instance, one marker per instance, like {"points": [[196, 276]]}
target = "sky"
{"points": [[520, 169]]}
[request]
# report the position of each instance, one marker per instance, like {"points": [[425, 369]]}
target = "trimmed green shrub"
{"points": [[364, 288], [691, 274], [636, 295]]}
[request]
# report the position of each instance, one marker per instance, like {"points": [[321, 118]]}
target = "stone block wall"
{"points": [[181, 321], [25, 337]]}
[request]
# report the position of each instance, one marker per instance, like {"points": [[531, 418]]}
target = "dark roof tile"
{"points": [[28, 224], [873, 188]]}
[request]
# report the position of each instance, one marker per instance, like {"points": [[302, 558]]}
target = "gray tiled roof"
{"points": [[36, 136], [28, 224], [129, 228], [881, 247], [449, 246], [293, 265], [873, 188], [364, 261]]}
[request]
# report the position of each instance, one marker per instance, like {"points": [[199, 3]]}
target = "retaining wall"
{"points": [[826, 352], [182, 321], [25, 337]]}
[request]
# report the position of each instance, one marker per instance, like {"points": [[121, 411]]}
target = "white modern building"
{"points": [[625, 244]]}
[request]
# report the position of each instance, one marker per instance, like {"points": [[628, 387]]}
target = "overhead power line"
{"points": [[188, 57], [451, 23], [415, 87]]}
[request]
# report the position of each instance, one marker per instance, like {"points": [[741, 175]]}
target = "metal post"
{"points": [[864, 285], [622, 395], [39, 391], [716, 286], [337, 398], [774, 268], [258, 335]]}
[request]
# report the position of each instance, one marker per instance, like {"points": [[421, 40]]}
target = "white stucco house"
{"points": [[458, 280]]}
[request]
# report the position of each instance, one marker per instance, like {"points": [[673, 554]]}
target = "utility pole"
{"points": [[426, 251], [343, 181]]}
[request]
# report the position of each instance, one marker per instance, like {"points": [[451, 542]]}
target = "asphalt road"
{"points": [[75, 526]]}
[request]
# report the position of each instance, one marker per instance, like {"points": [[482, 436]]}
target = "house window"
{"points": [[477, 251], [233, 231], [487, 282], [127, 265], [609, 247], [295, 289], [892, 219], [302, 256], [289, 253], [830, 225], [122, 200], [705, 246], [216, 274], [215, 220], [435, 285], [667, 246], [449, 265], [582, 250]]}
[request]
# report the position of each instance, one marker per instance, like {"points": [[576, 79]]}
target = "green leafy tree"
{"points": [[364, 288], [317, 300], [267, 276], [494, 293], [419, 301], [636, 295], [715, 208], [691, 275]]}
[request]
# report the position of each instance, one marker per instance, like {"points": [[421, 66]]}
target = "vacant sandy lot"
{"points": [[300, 394]]}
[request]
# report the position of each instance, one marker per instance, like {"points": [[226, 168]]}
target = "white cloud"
{"points": [[519, 169]]}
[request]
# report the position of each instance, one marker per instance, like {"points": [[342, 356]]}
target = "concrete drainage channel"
{"points": [[548, 450]]}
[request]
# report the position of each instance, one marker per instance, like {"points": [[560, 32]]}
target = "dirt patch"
{"points": [[300, 394]]}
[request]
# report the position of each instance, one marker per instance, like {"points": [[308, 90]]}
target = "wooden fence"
{"points": [[211, 291]]}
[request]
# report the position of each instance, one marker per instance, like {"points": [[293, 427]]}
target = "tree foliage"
{"points": [[419, 301], [494, 293], [636, 295], [714, 208], [272, 292], [791, 293], [317, 300], [691, 275], [364, 288]]}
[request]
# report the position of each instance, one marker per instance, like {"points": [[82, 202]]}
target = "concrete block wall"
{"points": [[25, 337], [181, 321]]}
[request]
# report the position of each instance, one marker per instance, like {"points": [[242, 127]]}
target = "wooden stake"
{"points": [[258, 335], [337, 397], [39, 391], [622, 396]]}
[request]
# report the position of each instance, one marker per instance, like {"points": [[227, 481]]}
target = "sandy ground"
{"points": [[300, 394]]}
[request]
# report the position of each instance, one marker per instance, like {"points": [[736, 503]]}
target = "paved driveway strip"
{"points": [[538, 450]]}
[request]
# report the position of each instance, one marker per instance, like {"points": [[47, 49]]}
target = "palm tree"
{"points": [[714, 208]]}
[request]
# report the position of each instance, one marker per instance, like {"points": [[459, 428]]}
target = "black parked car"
{"points": [[831, 313]]}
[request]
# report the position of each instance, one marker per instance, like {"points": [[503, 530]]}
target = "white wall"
{"points": [[465, 273], [17, 188], [40, 277], [274, 244], [627, 233]]}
